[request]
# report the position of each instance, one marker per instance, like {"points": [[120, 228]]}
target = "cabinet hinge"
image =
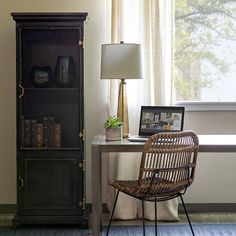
{"points": [[82, 134], [82, 204], [82, 165], [81, 43]]}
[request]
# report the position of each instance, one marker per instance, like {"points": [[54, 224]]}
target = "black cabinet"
{"points": [[50, 118]]}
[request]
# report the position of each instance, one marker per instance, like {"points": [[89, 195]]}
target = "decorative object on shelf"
{"points": [[65, 71], [122, 61], [114, 128], [41, 76]]}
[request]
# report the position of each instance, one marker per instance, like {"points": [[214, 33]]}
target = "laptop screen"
{"points": [[156, 119]]}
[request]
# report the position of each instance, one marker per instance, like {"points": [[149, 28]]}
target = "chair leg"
{"points": [[187, 215], [143, 218], [155, 217], [113, 209]]}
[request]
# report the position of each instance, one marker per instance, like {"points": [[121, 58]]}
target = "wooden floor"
{"points": [[204, 225]]}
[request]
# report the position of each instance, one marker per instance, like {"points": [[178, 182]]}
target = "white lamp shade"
{"points": [[121, 61]]}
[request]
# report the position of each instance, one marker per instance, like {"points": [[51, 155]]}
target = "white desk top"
{"points": [[207, 143], [221, 139]]}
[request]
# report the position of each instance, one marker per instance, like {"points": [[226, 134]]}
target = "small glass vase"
{"points": [[65, 71]]}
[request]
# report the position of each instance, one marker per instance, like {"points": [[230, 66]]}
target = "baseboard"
{"points": [[8, 208], [208, 207], [193, 207]]}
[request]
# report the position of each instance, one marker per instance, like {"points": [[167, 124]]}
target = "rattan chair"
{"points": [[166, 171]]}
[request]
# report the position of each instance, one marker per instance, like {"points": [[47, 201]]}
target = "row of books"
{"points": [[43, 134]]}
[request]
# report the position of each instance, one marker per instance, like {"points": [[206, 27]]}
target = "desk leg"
{"points": [[96, 191]]}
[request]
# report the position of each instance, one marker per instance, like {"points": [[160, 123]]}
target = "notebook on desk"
{"points": [[157, 119]]}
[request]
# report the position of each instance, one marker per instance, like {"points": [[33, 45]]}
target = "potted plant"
{"points": [[113, 127]]}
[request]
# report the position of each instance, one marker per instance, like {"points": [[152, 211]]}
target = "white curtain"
{"points": [[150, 23]]}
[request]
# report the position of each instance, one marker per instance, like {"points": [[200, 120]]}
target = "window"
{"points": [[205, 50]]}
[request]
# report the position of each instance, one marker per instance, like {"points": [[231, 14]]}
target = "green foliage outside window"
{"points": [[200, 27]]}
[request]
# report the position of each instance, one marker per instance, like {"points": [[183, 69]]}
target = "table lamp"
{"points": [[122, 61]]}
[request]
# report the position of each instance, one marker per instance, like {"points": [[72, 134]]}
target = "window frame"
{"points": [[207, 106]]}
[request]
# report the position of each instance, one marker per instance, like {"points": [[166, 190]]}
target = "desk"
{"points": [[207, 143]]}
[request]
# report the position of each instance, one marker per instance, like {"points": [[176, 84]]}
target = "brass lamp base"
{"points": [[122, 111]]}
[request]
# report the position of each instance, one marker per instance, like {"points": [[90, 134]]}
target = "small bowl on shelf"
{"points": [[41, 76]]}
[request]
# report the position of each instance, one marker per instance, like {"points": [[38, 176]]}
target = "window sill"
{"points": [[208, 106]]}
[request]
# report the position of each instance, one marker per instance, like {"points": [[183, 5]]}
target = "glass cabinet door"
{"points": [[50, 88]]}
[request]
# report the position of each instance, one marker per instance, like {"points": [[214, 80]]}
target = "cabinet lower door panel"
{"points": [[50, 185]]}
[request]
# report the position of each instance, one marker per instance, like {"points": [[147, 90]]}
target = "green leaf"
{"points": [[112, 122]]}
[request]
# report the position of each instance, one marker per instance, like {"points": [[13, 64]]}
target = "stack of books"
{"points": [[43, 134]]}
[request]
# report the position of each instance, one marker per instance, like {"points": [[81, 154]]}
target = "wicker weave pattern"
{"points": [[167, 167]]}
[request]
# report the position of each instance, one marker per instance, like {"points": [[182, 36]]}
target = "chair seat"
{"points": [[160, 191]]}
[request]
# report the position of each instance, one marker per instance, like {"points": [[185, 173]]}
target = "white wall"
{"points": [[210, 180], [215, 173]]}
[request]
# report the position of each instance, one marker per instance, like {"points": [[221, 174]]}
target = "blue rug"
{"points": [[163, 230], [44, 231], [176, 230]]}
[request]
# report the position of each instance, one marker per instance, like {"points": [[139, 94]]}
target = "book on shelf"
{"points": [[45, 131], [22, 138], [51, 132], [27, 133], [33, 127], [50, 138], [57, 135], [39, 135]]}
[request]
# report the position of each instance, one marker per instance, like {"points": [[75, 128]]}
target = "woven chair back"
{"points": [[169, 158]]}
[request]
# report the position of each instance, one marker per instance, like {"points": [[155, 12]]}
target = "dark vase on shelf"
{"points": [[41, 76], [64, 71]]}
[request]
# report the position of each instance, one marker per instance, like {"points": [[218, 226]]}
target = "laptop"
{"points": [[157, 119]]}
